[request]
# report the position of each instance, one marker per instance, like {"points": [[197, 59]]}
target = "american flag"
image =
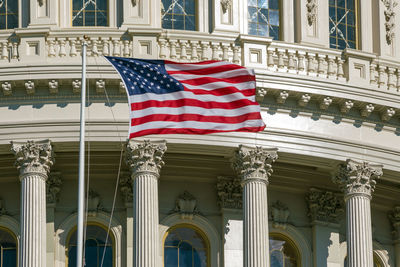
{"points": [[168, 97]]}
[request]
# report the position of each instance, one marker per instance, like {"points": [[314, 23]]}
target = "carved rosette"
{"points": [[53, 187], [145, 156], [356, 177], [230, 193], [394, 217], [126, 187], [325, 206], [33, 158], [254, 163]]}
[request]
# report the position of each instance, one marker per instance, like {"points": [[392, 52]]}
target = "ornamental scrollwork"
{"points": [[325, 206], [186, 205], [254, 163], [357, 177], [126, 187], [229, 192], [53, 187], [226, 5], [145, 156], [33, 157], [389, 19], [311, 11]]}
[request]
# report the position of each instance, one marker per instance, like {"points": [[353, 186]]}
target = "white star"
{"points": [[161, 81], [148, 74], [141, 71], [158, 87], [167, 85]]}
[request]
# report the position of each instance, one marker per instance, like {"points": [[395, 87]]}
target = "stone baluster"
{"points": [[215, 48], [225, 56], [253, 166], [390, 81], [95, 50], [4, 50], [321, 64], [311, 65], [14, 54], [194, 55], [381, 76], [52, 49], [291, 64], [126, 51], [394, 216], [33, 160], [281, 53], [270, 57], [236, 57], [62, 52], [204, 49], [145, 161], [163, 48], [331, 70], [340, 71], [172, 46], [73, 52], [106, 49], [357, 180], [372, 67], [116, 48], [398, 80], [183, 44], [302, 64]]}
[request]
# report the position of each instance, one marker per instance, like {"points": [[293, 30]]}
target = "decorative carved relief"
{"points": [[229, 192], [126, 186], [94, 203], [387, 114], [100, 86], [254, 163], [346, 106], [53, 86], [311, 11], [279, 214], [145, 156], [53, 187], [367, 110], [304, 100], [3, 210], [325, 103], [356, 177], [394, 217], [389, 19], [186, 205], [122, 87], [6, 86], [226, 5], [76, 86], [33, 157], [324, 206], [41, 2], [281, 99], [30, 87]]}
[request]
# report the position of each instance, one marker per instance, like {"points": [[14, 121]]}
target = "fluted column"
{"points": [[394, 217], [145, 160], [357, 181], [254, 168], [33, 162]]}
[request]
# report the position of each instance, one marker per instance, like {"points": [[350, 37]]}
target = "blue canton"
{"points": [[145, 76]]}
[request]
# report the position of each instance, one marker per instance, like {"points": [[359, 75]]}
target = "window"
{"points": [[377, 262], [343, 24], [8, 247], [282, 252], [95, 247], [185, 246], [263, 18], [89, 13], [178, 14], [8, 14]]}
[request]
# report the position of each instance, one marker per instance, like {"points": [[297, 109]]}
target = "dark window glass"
{"points": [[89, 13], [95, 247], [178, 14], [8, 14], [282, 253], [185, 247], [8, 249], [342, 24], [263, 18]]}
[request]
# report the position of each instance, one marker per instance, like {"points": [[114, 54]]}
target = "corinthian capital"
{"points": [[324, 206], [356, 177], [145, 156], [33, 157], [254, 162]]}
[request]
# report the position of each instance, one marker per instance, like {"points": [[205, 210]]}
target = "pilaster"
{"points": [[43, 13], [33, 160], [145, 161], [254, 167], [357, 180]]}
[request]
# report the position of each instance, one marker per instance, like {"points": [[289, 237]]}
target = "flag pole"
{"points": [[81, 181]]}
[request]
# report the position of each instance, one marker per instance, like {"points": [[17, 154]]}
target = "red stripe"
{"points": [[191, 131], [222, 91], [204, 80], [210, 70], [195, 117], [195, 63], [192, 102]]}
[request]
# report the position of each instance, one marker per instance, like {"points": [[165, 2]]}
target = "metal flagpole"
{"points": [[81, 181]]}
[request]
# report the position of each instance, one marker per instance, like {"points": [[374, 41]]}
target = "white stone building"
{"points": [[328, 82]]}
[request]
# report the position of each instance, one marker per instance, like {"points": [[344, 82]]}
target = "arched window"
{"points": [[263, 18], [185, 246], [8, 14], [89, 12], [8, 247], [95, 247], [377, 261], [178, 14], [282, 252], [343, 32]]}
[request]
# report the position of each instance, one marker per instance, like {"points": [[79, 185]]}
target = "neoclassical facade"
{"points": [[320, 186]]}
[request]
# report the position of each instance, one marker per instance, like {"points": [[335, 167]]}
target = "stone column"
{"points": [[254, 168], [145, 161], [394, 217], [33, 162], [357, 180]]}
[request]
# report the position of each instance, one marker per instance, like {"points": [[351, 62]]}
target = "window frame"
{"points": [[291, 243], [280, 32], [84, 26], [196, 17], [18, 13]]}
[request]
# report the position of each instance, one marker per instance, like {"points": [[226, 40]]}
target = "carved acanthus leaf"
{"points": [[186, 205], [311, 11], [229, 192], [324, 206], [33, 157], [226, 5], [53, 187], [145, 156], [357, 177], [389, 19]]}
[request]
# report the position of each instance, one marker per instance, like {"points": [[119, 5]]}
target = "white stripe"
{"points": [[189, 95], [195, 125], [217, 85], [222, 75], [195, 110], [181, 67]]}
